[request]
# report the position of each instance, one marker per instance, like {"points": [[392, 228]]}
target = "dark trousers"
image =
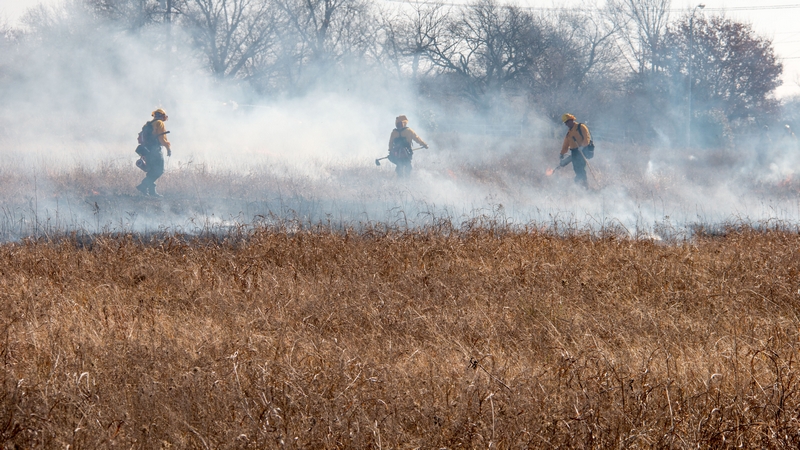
{"points": [[155, 168], [579, 165], [403, 167]]}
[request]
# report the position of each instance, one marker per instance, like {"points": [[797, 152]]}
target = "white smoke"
{"points": [[76, 95]]}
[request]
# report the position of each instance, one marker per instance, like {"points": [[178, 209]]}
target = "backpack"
{"points": [[401, 147], [588, 151], [144, 137]]}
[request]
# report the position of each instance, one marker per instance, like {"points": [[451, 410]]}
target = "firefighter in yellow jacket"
{"points": [[154, 136], [578, 143], [400, 151]]}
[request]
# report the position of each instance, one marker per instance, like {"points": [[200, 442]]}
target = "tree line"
{"points": [[633, 64]]}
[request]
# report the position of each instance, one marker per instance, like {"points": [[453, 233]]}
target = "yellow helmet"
{"points": [[566, 117], [159, 111], [401, 119]]}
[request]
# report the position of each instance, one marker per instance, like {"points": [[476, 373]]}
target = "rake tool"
{"points": [[378, 161]]}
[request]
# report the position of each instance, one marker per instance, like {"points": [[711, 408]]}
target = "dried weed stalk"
{"points": [[432, 338]]}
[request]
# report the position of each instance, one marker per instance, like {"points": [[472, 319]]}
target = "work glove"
{"points": [[169, 152], [425, 146], [564, 160]]}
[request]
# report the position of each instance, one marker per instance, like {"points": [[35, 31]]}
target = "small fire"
{"points": [[550, 172]]}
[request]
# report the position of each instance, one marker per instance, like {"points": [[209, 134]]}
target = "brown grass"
{"points": [[434, 338]]}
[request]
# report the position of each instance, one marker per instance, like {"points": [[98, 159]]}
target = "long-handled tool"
{"points": [[378, 161], [590, 167]]}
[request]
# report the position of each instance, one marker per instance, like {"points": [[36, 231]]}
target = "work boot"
{"points": [[142, 188], [152, 192]]}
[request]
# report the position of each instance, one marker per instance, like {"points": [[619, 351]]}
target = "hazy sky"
{"points": [[12, 9], [776, 19]]}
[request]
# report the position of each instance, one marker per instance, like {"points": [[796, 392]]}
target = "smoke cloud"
{"points": [[76, 92]]}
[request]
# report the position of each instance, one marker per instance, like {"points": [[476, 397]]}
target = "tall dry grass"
{"points": [[436, 338]]}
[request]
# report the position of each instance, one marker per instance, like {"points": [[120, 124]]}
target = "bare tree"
{"points": [[325, 30], [411, 35], [579, 63], [594, 34], [642, 25], [133, 14], [488, 48], [235, 36]]}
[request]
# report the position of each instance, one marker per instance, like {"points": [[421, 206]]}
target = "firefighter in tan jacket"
{"points": [[154, 136], [578, 143], [400, 151]]}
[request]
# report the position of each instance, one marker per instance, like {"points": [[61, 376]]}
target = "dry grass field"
{"points": [[435, 338]]}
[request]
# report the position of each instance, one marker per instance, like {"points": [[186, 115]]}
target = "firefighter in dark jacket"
{"points": [[154, 136], [400, 152], [577, 143]]}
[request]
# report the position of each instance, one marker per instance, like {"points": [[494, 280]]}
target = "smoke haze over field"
{"points": [[76, 95]]}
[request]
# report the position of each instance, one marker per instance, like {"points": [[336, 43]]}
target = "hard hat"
{"points": [[159, 111], [566, 117], [400, 119]]}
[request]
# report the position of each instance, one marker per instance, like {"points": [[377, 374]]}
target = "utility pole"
{"points": [[691, 78]]}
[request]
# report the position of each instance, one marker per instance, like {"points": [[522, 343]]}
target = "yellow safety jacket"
{"points": [[160, 131], [574, 140]]}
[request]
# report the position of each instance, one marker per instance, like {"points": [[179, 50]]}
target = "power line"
{"points": [[465, 4], [562, 8], [754, 8]]}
